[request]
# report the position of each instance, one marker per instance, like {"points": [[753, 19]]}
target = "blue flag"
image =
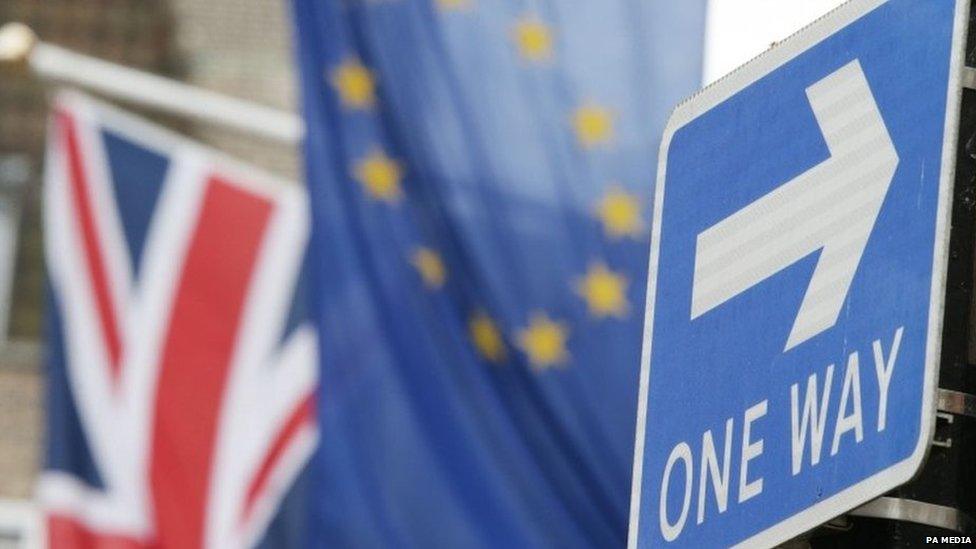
{"points": [[480, 177]]}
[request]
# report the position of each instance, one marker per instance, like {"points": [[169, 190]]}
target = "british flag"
{"points": [[182, 370]]}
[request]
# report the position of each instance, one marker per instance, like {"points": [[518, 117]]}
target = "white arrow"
{"points": [[832, 206]]}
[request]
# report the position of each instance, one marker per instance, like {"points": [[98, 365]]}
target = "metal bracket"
{"points": [[918, 512], [948, 418], [969, 78], [956, 402], [951, 404]]}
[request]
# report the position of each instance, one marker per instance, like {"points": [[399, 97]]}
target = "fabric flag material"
{"points": [[480, 177], [181, 367]]}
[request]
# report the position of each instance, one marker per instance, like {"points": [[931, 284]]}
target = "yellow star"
{"points": [[544, 342], [593, 125], [620, 213], [533, 38], [605, 291], [355, 84], [430, 266], [380, 175], [486, 337], [453, 5]]}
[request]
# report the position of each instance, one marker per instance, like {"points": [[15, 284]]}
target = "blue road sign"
{"points": [[797, 276]]}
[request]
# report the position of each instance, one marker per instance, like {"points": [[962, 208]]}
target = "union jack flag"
{"points": [[182, 369]]}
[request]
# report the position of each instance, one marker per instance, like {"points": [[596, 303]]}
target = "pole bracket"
{"points": [[969, 78], [957, 403], [918, 512]]}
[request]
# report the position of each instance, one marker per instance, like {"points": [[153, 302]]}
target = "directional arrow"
{"points": [[831, 207]]}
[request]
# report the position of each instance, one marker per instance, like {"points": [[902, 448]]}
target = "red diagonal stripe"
{"points": [[302, 416], [94, 256], [196, 357], [64, 532]]}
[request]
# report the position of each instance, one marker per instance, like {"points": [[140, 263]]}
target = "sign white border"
{"points": [[705, 100]]}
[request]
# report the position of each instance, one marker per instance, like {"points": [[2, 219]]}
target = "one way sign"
{"points": [[797, 277]]}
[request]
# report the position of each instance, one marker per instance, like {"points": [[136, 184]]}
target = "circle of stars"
{"points": [[543, 340]]}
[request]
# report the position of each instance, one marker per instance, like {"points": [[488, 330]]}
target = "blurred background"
{"points": [[239, 47]]}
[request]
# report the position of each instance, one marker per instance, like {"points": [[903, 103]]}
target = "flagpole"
{"points": [[20, 46]]}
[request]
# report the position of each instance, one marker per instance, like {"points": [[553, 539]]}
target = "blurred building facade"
{"points": [[239, 47]]}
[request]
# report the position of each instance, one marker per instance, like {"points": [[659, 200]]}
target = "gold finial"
{"points": [[17, 40]]}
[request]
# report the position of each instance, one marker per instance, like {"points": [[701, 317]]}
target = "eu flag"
{"points": [[480, 177]]}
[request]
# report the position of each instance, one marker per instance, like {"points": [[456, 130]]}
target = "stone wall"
{"points": [[241, 48]]}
